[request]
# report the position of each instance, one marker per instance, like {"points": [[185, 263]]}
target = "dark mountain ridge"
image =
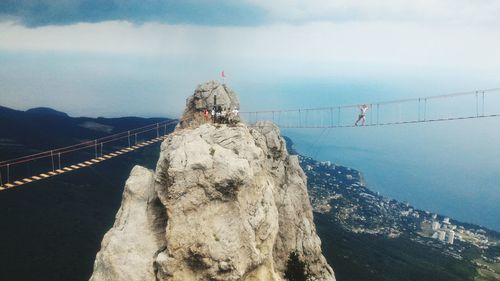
{"points": [[52, 228], [45, 111]]}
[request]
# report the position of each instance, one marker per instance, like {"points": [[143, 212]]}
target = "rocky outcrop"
{"points": [[129, 249], [225, 203], [297, 231], [207, 96]]}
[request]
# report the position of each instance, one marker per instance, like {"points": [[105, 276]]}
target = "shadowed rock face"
{"points": [[225, 203], [206, 96]]}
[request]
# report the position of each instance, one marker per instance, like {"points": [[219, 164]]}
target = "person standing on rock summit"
{"points": [[218, 113], [205, 114], [211, 96], [234, 115]]}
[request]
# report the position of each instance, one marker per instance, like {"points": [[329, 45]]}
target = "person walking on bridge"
{"points": [[362, 115]]}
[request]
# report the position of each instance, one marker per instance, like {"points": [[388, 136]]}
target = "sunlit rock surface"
{"points": [[225, 203]]}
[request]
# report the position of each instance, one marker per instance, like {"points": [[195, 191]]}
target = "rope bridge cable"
{"points": [[85, 144], [50, 154], [286, 116], [82, 144], [387, 123], [420, 110]]}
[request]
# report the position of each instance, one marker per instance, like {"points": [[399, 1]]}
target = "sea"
{"points": [[451, 168]]}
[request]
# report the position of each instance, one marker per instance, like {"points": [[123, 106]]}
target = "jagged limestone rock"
{"points": [[129, 249], [233, 206], [206, 96], [222, 217], [297, 231]]}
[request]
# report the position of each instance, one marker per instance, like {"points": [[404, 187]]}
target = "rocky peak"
{"points": [[207, 96], [226, 202]]}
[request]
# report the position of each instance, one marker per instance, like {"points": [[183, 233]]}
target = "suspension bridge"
{"points": [[66, 159], [449, 107], [457, 106]]}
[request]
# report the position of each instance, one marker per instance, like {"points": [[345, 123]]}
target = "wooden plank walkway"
{"points": [[76, 166]]}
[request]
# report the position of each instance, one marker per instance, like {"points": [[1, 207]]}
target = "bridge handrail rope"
{"points": [[416, 111], [98, 156], [291, 120], [476, 92], [86, 144], [95, 142], [72, 146]]}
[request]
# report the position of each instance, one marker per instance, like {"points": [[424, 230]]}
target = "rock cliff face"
{"points": [[225, 203], [129, 249]]}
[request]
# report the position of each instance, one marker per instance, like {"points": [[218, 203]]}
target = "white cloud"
{"points": [[164, 62], [321, 43]]}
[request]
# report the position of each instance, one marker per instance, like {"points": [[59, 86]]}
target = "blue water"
{"points": [[452, 168]]}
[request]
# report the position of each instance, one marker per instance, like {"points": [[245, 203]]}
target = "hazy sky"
{"points": [[125, 57], [144, 57]]}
